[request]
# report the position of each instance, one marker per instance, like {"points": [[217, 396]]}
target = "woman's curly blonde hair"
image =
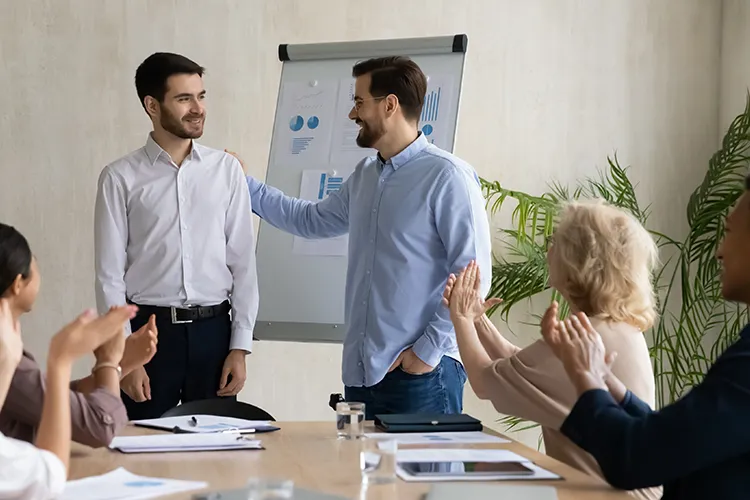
{"points": [[606, 259]]}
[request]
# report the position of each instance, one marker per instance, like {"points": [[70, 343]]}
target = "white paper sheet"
{"points": [[435, 122], [202, 423], [303, 130], [467, 455], [452, 491], [477, 437], [182, 442], [315, 186], [121, 484], [344, 149]]}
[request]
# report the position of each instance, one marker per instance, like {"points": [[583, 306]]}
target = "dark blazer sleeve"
{"points": [[651, 448], [635, 406]]}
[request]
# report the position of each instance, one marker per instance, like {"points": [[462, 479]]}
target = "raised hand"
{"points": [[140, 346], [88, 332], [464, 300], [581, 350]]}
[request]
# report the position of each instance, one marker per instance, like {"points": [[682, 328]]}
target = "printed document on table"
{"points": [[153, 443], [121, 484], [304, 124], [344, 149], [204, 424], [317, 185], [467, 455], [477, 437]]}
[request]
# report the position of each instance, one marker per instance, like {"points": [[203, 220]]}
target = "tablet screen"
{"points": [[465, 468]]}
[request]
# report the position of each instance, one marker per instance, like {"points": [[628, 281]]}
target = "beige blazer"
{"points": [[533, 385]]}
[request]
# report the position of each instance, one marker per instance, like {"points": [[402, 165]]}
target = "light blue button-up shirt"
{"points": [[411, 220]]}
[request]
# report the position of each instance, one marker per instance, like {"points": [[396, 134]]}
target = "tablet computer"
{"points": [[466, 468]]}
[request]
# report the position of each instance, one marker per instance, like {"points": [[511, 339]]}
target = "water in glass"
{"points": [[350, 420]]}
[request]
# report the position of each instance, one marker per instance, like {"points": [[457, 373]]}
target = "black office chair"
{"points": [[220, 407]]}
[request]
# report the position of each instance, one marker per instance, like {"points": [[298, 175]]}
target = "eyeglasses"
{"points": [[359, 102]]}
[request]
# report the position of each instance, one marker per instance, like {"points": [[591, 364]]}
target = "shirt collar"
{"points": [[153, 150], [412, 150]]}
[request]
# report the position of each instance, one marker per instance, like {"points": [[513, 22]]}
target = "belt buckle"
{"points": [[175, 321]]}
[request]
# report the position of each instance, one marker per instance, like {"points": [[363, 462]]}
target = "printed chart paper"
{"points": [[303, 130], [120, 483], [344, 149], [436, 120], [316, 186]]}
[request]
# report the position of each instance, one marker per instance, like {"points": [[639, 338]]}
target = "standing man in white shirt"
{"points": [[174, 235]]}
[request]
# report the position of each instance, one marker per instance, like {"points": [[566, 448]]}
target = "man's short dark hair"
{"points": [[399, 76], [151, 76]]}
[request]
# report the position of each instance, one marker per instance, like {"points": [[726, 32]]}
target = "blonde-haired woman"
{"points": [[600, 260]]}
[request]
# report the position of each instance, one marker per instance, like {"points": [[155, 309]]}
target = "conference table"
{"points": [[310, 454]]}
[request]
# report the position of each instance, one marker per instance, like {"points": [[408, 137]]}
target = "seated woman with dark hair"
{"points": [[29, 472], [96, 408]]}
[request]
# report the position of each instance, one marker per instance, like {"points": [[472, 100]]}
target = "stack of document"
{"points": [[121, 484], [458, 464], [206, 424], [159, 443]]}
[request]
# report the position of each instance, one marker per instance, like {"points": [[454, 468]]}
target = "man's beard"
{"points": [[176, 127], [369, 135]]}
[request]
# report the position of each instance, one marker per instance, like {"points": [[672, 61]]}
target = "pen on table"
{"points": [[241, 432]]}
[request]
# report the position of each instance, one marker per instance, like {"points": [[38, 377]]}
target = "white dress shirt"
{"points": [[177, 236], [28, 473]]}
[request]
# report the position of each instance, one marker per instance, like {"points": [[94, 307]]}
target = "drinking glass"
{"points": [[266, 489], [377, 460], [350, 420]]}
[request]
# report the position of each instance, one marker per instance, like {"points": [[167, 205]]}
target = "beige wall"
{"points": [[551, 88], [735, 60]]}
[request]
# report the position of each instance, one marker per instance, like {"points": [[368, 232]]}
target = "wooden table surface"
{"points": [[311, 455]]}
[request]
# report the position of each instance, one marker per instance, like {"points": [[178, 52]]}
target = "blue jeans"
{"points": [[441, 391]]}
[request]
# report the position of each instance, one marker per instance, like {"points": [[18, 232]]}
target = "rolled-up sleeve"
{"points": [[531, 385], [28, 473], [96, 417]]}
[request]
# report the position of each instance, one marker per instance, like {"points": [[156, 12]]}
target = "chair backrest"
{"points": [[219, 407]]}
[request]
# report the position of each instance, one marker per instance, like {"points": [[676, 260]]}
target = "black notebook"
{"points": [[427, 422]]}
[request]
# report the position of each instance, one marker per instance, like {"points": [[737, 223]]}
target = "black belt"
{"points": [[185, 314]]}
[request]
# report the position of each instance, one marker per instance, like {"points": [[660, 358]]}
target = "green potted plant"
{"points": [[695, 324]]}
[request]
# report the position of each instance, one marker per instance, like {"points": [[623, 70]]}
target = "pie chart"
{"points": [[296, 123], [427, 129], [313, 122]]}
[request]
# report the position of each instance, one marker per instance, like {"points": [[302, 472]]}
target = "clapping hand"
{"points": [[463, 297], [88, 332], [580, 349], [140, 346]]}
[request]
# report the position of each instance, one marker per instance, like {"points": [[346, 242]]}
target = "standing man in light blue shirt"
{"points": [[414, 214]]}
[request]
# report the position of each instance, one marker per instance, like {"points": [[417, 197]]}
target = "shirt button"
{"points": [[107, 419], [372, 241], [360, 363], [368, 271]]}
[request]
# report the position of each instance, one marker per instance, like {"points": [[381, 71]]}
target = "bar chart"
{"points": [[431, 108]]}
